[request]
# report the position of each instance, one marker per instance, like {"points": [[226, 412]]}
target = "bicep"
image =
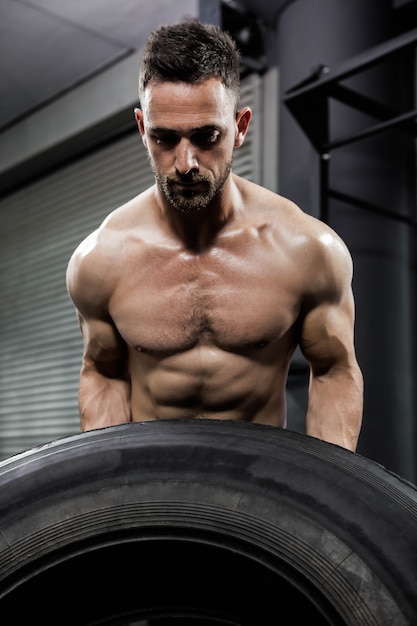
{"points": [[327, 323], [104, 349], [327, 334], [89, 287]]}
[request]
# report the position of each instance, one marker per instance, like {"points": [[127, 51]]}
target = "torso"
{"points": [[211, 334]]}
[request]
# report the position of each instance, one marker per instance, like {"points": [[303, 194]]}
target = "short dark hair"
{"points": [[190, 52]]}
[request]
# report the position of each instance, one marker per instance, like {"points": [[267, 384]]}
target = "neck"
{"points": [[199, 229]]}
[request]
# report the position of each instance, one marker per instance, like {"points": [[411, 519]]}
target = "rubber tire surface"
{"points": [[205, 522]]}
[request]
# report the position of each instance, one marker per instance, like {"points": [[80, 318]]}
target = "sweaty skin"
{"points": [[190, 309]]}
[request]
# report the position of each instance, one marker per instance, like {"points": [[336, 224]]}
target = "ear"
{"points": [[141, 124], [243, 117]]}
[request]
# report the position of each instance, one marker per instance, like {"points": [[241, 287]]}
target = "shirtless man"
{"points": [[193, 296]]}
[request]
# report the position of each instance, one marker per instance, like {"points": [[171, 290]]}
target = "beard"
{"points": [[191, 200]]}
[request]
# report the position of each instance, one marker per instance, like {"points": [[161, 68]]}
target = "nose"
{"points": [[185, 158]]}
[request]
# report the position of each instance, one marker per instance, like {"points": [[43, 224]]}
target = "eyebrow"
{"points": [[197, 129]]}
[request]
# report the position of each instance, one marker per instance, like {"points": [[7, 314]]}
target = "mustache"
{"points": [[189, 177]]}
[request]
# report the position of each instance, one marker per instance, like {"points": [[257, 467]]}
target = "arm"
{"points": [[104, 389], [335, 401]]}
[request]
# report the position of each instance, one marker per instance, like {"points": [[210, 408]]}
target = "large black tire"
{"points": [[204, 522]]}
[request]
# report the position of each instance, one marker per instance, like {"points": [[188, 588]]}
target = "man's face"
{"points": [[190, 132]]}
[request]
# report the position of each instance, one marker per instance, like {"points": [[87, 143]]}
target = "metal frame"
{"points": [[309, 104]]}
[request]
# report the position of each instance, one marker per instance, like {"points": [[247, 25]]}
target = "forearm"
{"points": [[103, 401], [335, 407]]}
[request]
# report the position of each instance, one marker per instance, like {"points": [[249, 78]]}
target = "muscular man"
{"points": [[193, 296]]}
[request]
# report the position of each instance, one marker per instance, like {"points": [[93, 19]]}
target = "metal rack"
{"points": [[309, 104]]}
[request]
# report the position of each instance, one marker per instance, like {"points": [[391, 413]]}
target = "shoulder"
{"points": [[325, 260], [93, 266], [264, 204], [87, 275], [121, 223], [317, 250]]}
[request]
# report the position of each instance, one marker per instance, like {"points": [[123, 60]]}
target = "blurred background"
{"points": [[332, 85]]}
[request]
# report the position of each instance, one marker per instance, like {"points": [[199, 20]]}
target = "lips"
{"points": [[188, 185], [191, 187]]}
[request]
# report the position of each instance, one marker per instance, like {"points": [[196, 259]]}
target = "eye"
{"points": [[165, 140], [206, 139]]}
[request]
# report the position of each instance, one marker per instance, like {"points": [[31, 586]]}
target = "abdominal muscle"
{"points": [[208, 382]]}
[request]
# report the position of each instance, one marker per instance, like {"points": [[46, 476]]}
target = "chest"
{"points": [[169, 300]]}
